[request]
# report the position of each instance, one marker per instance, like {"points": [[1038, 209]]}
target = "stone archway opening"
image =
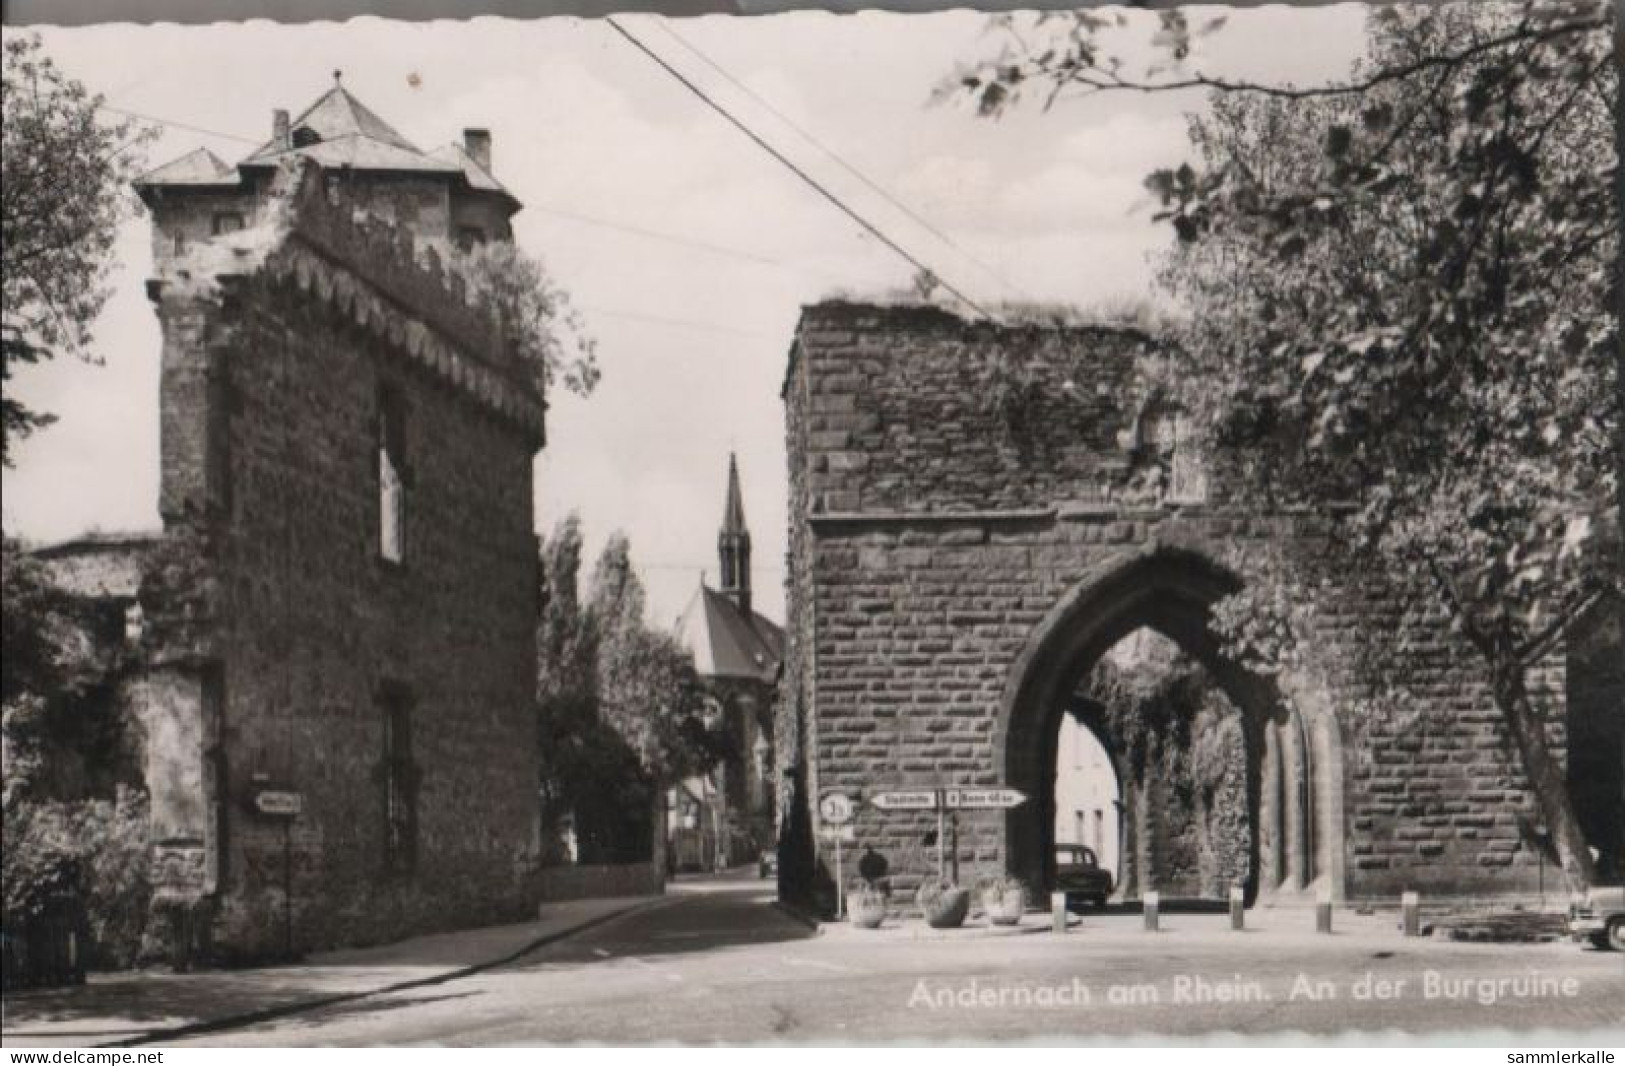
{"points": [[1151, 774], [1290, 781], [1088, 788]]}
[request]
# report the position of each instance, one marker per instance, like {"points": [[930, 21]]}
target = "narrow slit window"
{"points": [[400, 785], [392, 478]]}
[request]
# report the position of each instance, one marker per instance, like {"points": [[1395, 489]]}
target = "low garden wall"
{"points": [[588, 882]]}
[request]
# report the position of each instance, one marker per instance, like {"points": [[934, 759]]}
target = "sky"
{"points": [[688, 249]]}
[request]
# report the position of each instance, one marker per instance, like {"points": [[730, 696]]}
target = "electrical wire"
{"points": [[812, 182]]}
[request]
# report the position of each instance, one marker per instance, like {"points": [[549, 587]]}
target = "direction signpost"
{"points": [[916, 799], [945, 799], [286, 806], [836, 810]]}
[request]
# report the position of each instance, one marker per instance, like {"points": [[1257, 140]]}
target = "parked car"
{"points": [[767, 863], [1600, 917], [1079, 874]]}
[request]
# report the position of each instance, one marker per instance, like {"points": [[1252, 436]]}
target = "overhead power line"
{"points": [[177, 125], [840, 161], [682, 323], [816, 186]]}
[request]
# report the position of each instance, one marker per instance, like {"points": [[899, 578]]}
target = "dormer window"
{"points": [[226, 222], [470, 237], [304, 137]]}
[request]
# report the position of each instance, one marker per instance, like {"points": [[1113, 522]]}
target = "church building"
{"points": [[737, 652]]}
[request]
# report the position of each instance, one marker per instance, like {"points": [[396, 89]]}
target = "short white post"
{"points": [[840, 882], [1057, 911], [1149, 903], [1410, 911], [1323, 913], [1238, 918]]}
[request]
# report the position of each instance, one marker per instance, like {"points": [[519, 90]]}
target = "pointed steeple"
{"points": [[733, 543]]}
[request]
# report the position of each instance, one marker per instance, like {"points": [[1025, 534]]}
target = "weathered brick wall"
{"points": [[272, 395], [935, 526], [321, 623]]}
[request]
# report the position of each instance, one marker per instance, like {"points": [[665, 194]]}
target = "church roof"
{"points": [[727, 641]]}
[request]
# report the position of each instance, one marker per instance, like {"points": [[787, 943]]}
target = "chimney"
{"points": [[279, 128], [477, 143]]}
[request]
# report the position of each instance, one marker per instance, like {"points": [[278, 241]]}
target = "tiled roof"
{"points": [[358, 152], [200, 167], [337, 114], [727, 642], [477, 176], [348, 134]]}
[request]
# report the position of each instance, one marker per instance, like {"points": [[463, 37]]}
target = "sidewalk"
{"points": [[140, 1006], [1283, 925]]}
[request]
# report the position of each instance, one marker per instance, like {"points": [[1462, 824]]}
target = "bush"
{"points": [[95, 850]]}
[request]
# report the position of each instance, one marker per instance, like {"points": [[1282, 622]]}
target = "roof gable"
{"points": [[197, 167], [337, 115], [728, 642]]}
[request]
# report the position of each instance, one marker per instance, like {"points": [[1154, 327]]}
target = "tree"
{"points": [[650, 688], [550, 339], [1400, 317], [63, 175], [620, 711]]}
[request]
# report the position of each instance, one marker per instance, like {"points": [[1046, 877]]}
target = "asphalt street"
{"points": [[717, 961]]}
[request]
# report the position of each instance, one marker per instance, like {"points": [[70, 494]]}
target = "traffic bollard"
{"points": [[1323, 914], [1238, 920], [1410, 910], [1150, 902], [1057, 910]]}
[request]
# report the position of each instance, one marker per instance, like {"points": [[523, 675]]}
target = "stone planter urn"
{"points": [[866, 908], [944, 906], [1004, 902]]}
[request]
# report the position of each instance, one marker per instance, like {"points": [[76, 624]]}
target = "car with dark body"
{"points": [[1600, 917], [1079, 874]]}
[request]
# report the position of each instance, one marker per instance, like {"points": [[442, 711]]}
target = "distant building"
{"points": [[737, 653], [337, 622], [1086, 794]]}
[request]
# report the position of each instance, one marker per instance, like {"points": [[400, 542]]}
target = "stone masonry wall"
{"points": [[935, 524], [272, 406]]}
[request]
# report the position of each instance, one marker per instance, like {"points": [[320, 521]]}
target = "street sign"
{"points": [[280, 804], [916, 799], [844, 834], [835, 808], [983, 799]]}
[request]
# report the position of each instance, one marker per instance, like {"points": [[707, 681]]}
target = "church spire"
{"points": [[733, 543]]}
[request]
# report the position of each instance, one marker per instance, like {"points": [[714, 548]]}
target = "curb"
{"points": [[799, 916], [239, 1021]]}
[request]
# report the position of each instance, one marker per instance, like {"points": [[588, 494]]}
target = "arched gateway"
{"points": [[1294, 768], [977, 514]]}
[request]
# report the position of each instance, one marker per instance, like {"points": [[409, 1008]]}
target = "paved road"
{"points": [[719, 962]]}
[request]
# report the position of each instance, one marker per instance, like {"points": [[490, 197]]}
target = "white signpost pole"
{"points": [[939, 836], [840, 883]]}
